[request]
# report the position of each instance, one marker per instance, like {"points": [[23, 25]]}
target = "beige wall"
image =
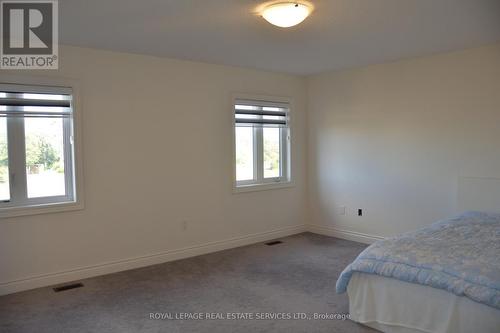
{"points": [[157, 150], [394, 139]]}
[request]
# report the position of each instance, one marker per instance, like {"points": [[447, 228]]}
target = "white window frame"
{"points": [[259, 182], [73, 200]]}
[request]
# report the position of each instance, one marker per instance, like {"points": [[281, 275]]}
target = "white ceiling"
{"points": [[339, 33]]}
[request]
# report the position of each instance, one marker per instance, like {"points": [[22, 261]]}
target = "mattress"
{"points": [[459, 255], [395, 306]]}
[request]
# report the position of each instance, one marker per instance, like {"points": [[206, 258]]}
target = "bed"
{"points": [[438, 279]]}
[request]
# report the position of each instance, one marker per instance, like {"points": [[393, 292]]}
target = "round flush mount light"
{"points": [[286, 14]]}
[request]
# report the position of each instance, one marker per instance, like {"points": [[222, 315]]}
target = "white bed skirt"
{"points": [[394, 306]]}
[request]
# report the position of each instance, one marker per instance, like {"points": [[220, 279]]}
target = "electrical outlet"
{"points": [[339, 210], [360, 212], [184, 225]]}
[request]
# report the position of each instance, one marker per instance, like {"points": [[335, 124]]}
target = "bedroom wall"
{"points": [[157, 151], [397, 139]]}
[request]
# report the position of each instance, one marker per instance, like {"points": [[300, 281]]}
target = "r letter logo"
{"points": [[29, 35]]}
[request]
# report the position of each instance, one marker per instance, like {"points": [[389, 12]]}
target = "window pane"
{"points": [[271, 152], [244, 153], [4, 162], [44, 157]]}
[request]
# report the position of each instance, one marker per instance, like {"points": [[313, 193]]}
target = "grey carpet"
{"points": [[297, 276]]}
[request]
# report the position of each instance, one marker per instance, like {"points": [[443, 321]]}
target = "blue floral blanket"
{"points": [[460, 255]]}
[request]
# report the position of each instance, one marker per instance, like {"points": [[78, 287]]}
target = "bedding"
{"points": [[394, 306], [460, 255]]}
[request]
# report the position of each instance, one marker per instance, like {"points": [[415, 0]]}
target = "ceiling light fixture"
{"points": [[286, 14]]}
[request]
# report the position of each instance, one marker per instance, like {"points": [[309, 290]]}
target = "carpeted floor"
{"points": [[297, 276]]}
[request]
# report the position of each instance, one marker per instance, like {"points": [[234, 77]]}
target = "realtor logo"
{"points": [[29, 35]]}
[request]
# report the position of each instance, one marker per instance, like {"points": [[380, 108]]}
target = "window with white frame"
{"points": [[262, 142], [36, 146]]}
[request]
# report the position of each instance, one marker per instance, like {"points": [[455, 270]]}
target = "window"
{"points": [[262, 143], [36, 146]]}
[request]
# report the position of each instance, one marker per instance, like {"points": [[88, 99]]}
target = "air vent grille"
{"points": [[273, 243], [68, 287]]}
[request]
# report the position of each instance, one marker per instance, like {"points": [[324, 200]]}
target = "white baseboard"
{"points": [[137, 262], [344, 234]]}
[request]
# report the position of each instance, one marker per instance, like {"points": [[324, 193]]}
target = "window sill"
{"points": [[262, 187], [40, 209]]}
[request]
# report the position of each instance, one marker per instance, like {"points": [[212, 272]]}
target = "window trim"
{"points": [[286, 155], [51, 204]]}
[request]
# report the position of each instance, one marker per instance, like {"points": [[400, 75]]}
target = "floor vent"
{"points": [[273, 243], [68, 287]]}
